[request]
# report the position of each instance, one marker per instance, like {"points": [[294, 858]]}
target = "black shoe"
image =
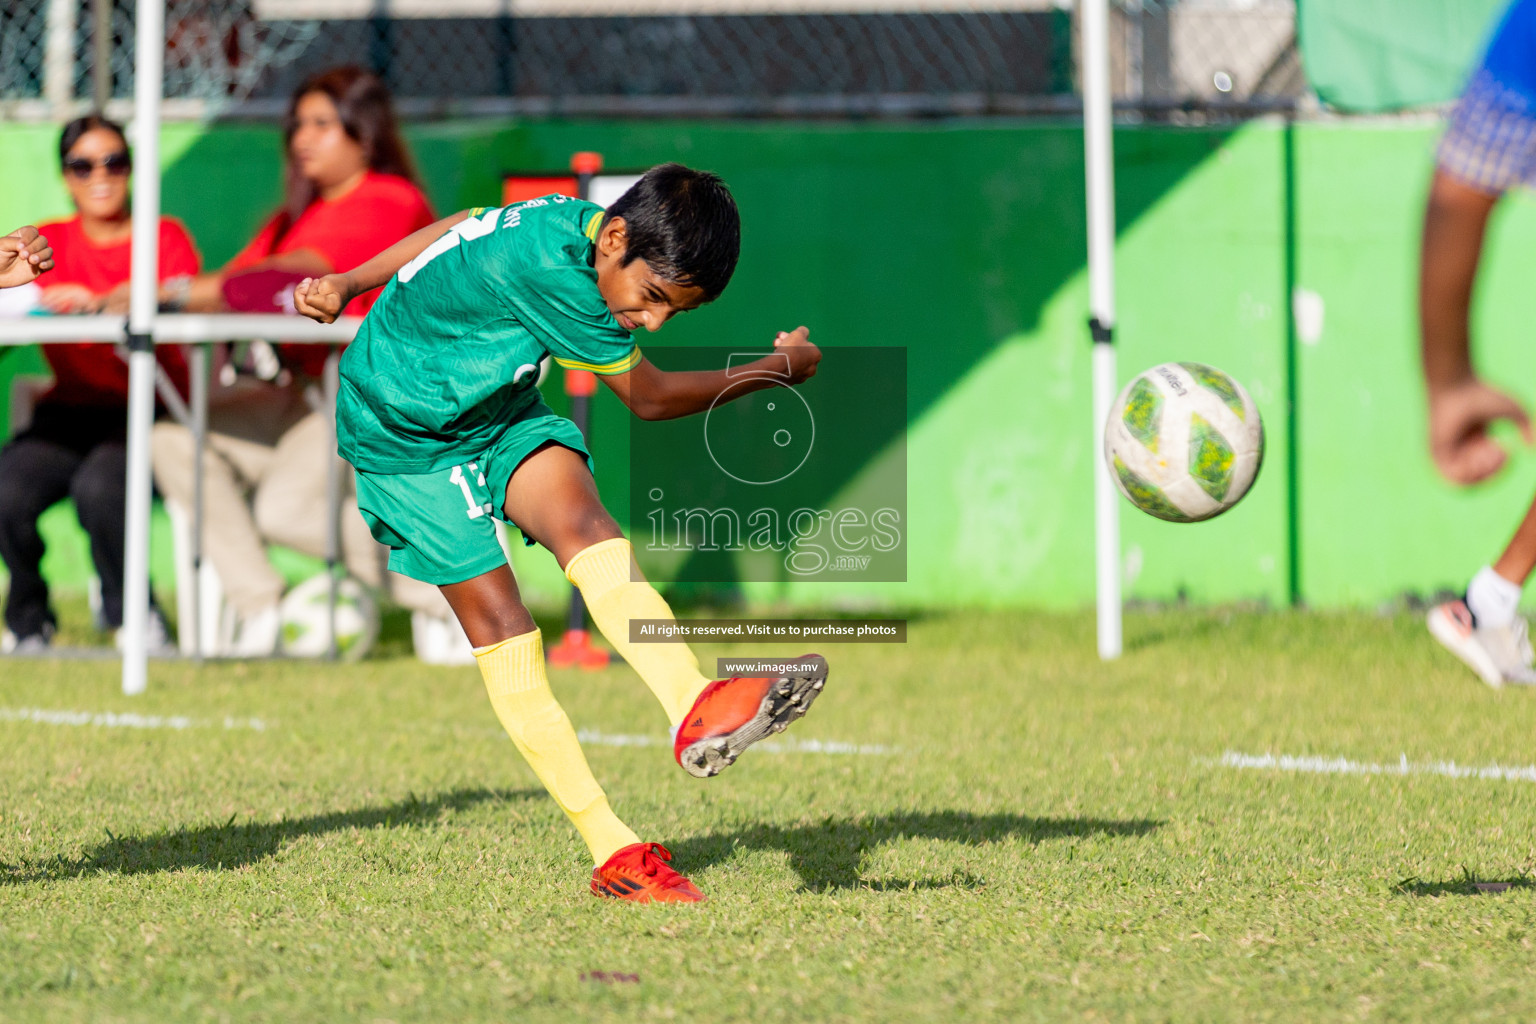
{"points": [[32, 643]]}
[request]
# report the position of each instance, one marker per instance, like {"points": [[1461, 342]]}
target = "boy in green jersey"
{"points": [[440, 414]]}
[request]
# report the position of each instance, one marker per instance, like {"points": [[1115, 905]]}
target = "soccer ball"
{"points": [[1184, 442], [305, 619]]}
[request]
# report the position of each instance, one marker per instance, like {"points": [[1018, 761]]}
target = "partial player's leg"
{"points": [[510, 653], [552, 497], [1519, 558], [439, 530], [1484, 628]]}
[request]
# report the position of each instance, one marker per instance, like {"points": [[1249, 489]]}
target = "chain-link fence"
{"points": [[61, 56], [719, 57]]}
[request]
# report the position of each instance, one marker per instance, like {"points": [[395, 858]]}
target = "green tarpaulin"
{"points": [[1379, 55]]}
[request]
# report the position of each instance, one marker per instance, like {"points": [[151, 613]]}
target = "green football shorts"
{"points": [[438, 526]]}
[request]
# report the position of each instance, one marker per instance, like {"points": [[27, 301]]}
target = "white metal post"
{"points": [[101, 54], [59, 56], [149, 43], [198, 382], [1098, 151], [330, 386]]}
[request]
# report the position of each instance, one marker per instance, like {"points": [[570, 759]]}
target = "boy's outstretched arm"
{"points": [[653, 394], [1461, 406], [324, 298]]}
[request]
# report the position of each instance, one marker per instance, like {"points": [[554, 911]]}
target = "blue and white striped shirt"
{"points": [[1490, 142]]}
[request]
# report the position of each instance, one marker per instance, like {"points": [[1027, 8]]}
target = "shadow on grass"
{"points": [[228, 846], [826, 854], [1466, 885], [1156, 634]]}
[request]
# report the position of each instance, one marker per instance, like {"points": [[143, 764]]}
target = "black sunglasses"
{"points": [[116, 164]]}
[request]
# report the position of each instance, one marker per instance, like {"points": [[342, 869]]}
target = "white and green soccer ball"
{"points": [[1184, 442], [305, 617]]}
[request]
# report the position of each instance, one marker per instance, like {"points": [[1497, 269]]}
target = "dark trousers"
{"points": [[67, 452]]}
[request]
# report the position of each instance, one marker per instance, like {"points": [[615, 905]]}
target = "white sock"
{"points": [[1492, 599]]}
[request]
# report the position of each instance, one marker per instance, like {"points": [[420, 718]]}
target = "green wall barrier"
{"points": [[964, 243]]}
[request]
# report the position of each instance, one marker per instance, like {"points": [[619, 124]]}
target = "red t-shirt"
{"points": [[347, 231], [93, 373]]}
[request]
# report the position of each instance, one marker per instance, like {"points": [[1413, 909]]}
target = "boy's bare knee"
{"points": [[489, 607], [573, 538], [487, 626]]}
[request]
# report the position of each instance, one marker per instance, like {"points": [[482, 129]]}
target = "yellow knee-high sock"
{"points": [[615, 592], [520, 693]]}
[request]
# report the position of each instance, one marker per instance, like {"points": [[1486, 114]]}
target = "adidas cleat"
{"points": [[639, 873], [732, 714]]}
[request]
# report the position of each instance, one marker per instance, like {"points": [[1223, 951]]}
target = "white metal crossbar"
{"points": [[177, 328]]}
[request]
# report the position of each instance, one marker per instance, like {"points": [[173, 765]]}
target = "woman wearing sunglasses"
{"points": [[75, 446]]}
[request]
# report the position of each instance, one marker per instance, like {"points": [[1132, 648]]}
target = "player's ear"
{"points": [[613, 239]]}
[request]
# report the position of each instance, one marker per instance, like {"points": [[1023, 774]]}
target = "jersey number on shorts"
{"points": [[464, 230], [476, 509]]}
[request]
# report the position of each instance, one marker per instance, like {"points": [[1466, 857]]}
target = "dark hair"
{"points": [[89, 123], [368, 117], [684, 224]]}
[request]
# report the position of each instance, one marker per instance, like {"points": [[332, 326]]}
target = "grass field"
{"points": [[1026, 835]]}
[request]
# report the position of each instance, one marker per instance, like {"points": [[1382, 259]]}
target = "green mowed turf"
{"points": [[1027, 834]]}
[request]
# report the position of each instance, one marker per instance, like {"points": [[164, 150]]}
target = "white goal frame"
{"points": [[145, 326]]}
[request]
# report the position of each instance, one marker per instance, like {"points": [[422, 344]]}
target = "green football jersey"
{"points": [[449, 354]]}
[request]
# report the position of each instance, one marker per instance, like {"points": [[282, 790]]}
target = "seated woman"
{"points": [[76, 444], [351, 191]]}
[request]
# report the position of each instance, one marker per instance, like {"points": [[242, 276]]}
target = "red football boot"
{"points": [[639, 873], [732, 714]]}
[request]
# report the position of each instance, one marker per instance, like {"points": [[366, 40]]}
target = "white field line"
{"points": [[785, 746], [594, 738], [124, 720], [1343, 766], [131, 720]]}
